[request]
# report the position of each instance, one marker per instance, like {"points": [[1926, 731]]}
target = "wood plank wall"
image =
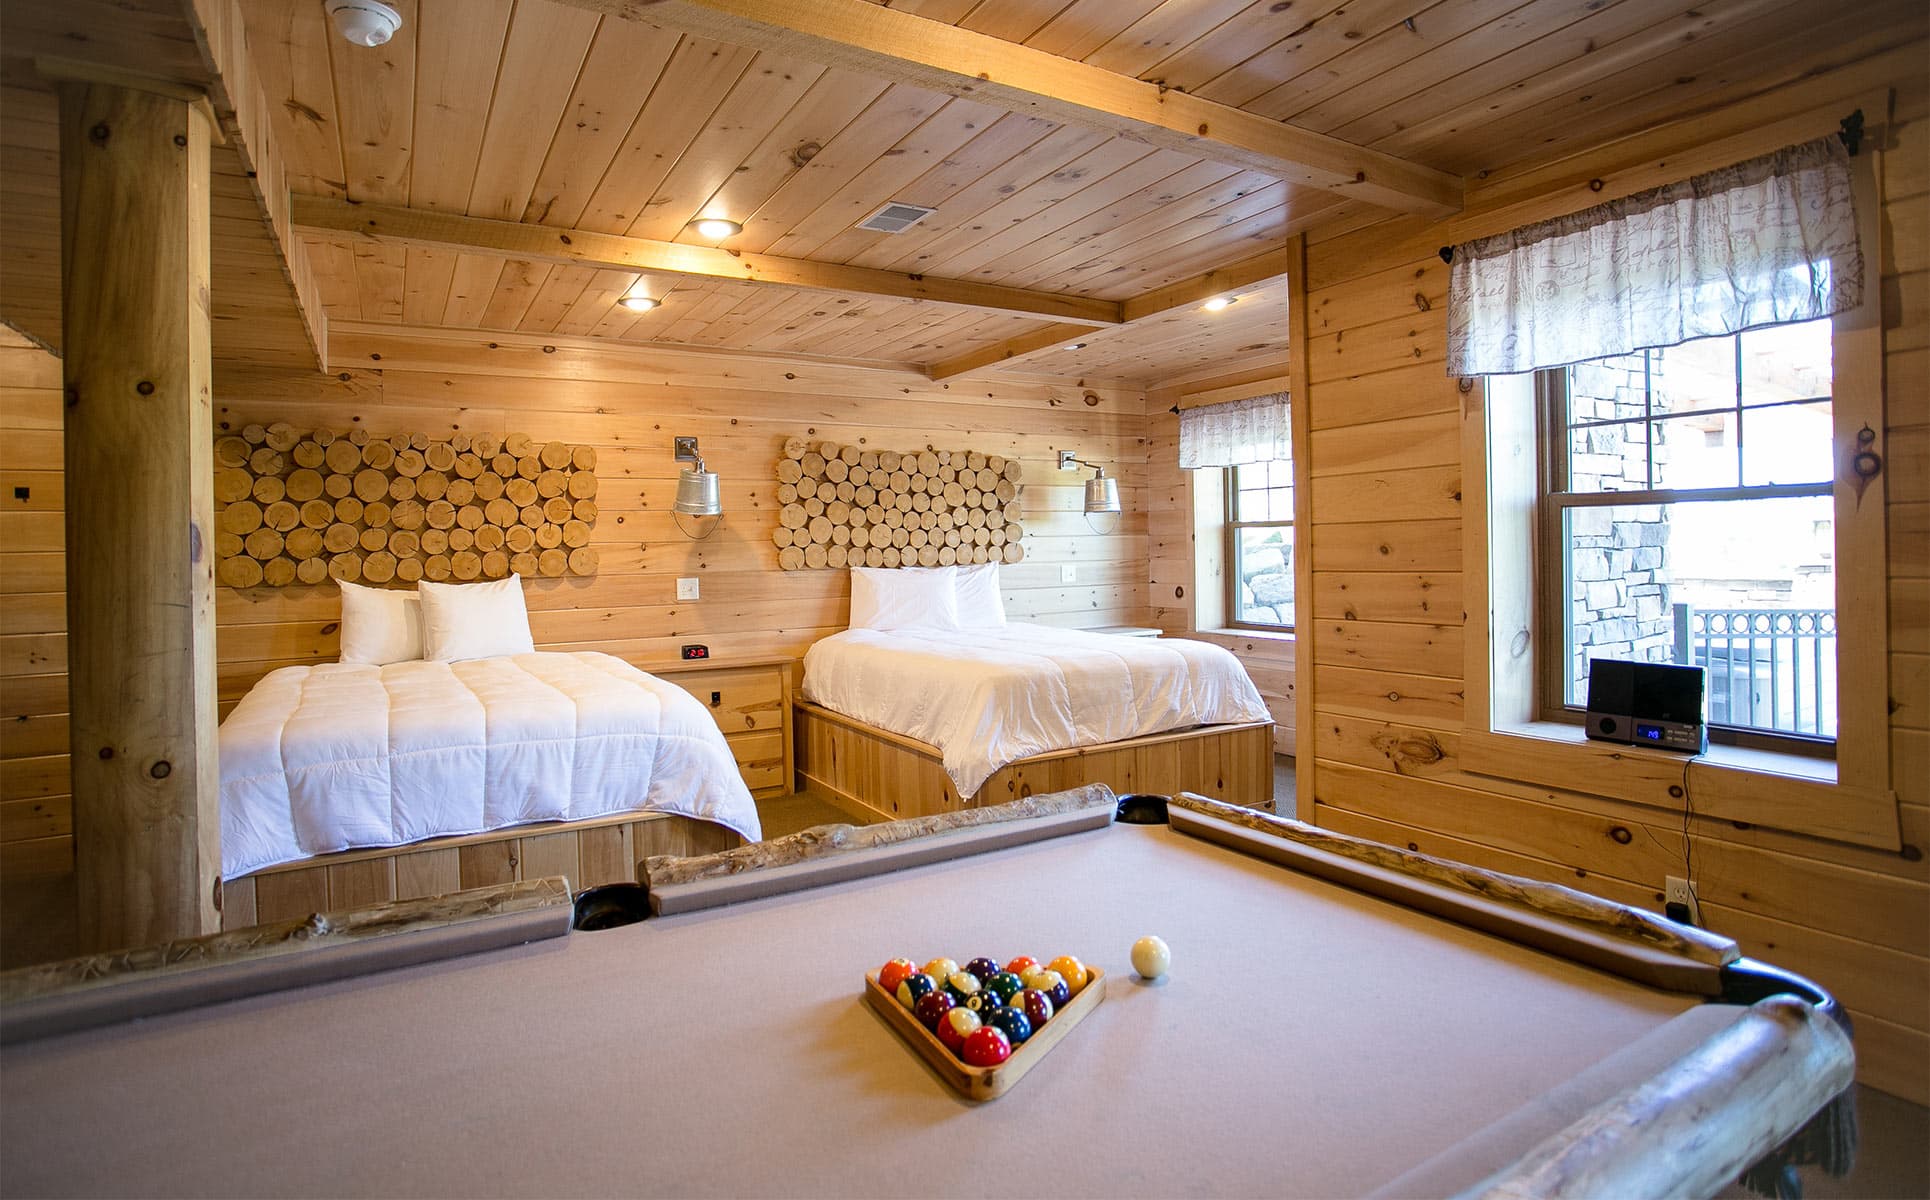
{"points": [[629, 403], [1388, 669]]}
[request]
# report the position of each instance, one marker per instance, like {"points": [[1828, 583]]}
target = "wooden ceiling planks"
{"points": [[629, 129]]}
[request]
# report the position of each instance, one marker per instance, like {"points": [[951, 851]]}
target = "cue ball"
{"points": [[1151, 957]]}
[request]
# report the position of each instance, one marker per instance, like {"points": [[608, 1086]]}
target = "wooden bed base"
{"points": [[587, 852], [880, 775]]}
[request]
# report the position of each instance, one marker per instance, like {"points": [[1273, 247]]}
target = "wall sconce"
{"points": [[1102, 493], [698, 509]]}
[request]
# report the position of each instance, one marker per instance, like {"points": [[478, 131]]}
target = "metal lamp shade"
{"points": [[1102, 493], [697, 494]]}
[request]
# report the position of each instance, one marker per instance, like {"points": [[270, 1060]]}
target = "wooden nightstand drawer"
{"points": [[741, 700], [750, 699]]}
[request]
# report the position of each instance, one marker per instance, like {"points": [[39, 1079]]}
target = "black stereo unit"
{"points": [[1647, 704]]}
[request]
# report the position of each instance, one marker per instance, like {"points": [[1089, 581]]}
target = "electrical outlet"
{"points": [[687, 588], [1068, 573], [1679, 896]]}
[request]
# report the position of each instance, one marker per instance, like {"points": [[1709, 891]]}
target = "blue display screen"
{"points": [[1652, 733]]}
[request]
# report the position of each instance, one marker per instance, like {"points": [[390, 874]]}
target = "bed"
{"points": [[413, 777], [924, 719]]}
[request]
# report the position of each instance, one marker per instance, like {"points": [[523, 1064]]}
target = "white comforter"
{"points": [[325, 758], [988, 697]]}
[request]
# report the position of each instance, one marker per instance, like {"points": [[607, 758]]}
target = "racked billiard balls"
{"points": [[955, 1026], [941, 969], [932, 1006], [1072, 970], [893, 973], [985, 1047], [1052, 984], [1014, 1024], [1006, 984], [915, 988], [982, 967], [1021, 964], [1036, 1005]]}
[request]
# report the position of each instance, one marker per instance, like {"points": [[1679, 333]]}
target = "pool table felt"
{"points": [[1310, 1041]]}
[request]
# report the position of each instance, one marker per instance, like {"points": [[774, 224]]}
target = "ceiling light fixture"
{"points": [[364, 22], [716, 228], [1217, 303], [1074, 346], [638, 298]]}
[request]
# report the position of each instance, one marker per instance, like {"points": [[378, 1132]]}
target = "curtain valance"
{"points": [[1236, 432], [1763, 242]]}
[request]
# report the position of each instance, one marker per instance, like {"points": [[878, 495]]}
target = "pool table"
{"points": [[1311, 1039]]}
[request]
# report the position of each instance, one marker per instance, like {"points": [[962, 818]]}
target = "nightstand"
{"points": [[751, 700]]}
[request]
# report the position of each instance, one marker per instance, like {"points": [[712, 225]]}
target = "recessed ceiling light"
{"points": [[716, 228], [639, 301], [1217, 303], [1075, 346]]}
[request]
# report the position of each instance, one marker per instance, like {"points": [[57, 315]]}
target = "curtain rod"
{"points": [[1850, 129]]}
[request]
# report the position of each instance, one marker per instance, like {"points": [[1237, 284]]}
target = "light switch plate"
{"points": [[687, 588], [1068, 573]]}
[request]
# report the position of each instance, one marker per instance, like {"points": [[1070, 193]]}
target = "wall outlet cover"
{"points": [[687, 588], [1678, 895]]}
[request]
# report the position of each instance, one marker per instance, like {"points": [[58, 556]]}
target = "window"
{"points": [[1259, 545], [1689, 510]]}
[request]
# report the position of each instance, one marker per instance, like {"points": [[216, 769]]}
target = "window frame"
{"points": [[1552, 598], [1230, 550]]}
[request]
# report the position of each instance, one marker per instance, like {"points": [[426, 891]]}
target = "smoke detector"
{"points": [[896, 217], [364, 22]]}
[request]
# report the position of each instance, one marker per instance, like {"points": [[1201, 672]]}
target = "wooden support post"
{"points": [[140, 510]]}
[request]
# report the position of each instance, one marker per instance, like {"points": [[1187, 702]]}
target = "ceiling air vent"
{"points": [[895, 217]]}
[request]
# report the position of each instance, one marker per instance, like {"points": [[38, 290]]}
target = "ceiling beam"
{"points": [[1261, 268], [325, 215], [904, 48]]}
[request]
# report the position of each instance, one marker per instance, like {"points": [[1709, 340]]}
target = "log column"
{"points": [[139, 446]]}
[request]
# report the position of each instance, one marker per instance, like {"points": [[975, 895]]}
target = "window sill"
{"points": [[1257, 635], [1760, 787]]}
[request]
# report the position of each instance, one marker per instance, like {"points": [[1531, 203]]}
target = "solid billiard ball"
{"points": [[915, 988], [962, 987], [1014, 1024], [985, 1047], [1036, 1005], [893, 973], [984, 968], [1151, 957], [1006, 984], [941, 969], [930, 1007], [1074, 972], [1021, 964], [955, 1026]]}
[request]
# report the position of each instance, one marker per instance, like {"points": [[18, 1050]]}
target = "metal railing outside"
{"points": [[1772, 669]]}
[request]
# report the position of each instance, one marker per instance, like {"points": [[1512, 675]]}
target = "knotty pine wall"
{"points": [[1387, 675], [627, 402]]}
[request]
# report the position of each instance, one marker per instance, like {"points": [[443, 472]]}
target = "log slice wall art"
{"points": [[846, 506], [304, 507]]}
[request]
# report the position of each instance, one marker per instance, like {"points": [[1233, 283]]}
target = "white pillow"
{"points": [[903, 598], [976, 591], [380, 625], [474, 620]]}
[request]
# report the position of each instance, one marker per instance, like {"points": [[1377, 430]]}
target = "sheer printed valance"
{"points": [[1238, 431], [1764, 242]]}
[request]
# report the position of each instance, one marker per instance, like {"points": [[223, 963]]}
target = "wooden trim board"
{"points": [[876, 774], [588, 852]]}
